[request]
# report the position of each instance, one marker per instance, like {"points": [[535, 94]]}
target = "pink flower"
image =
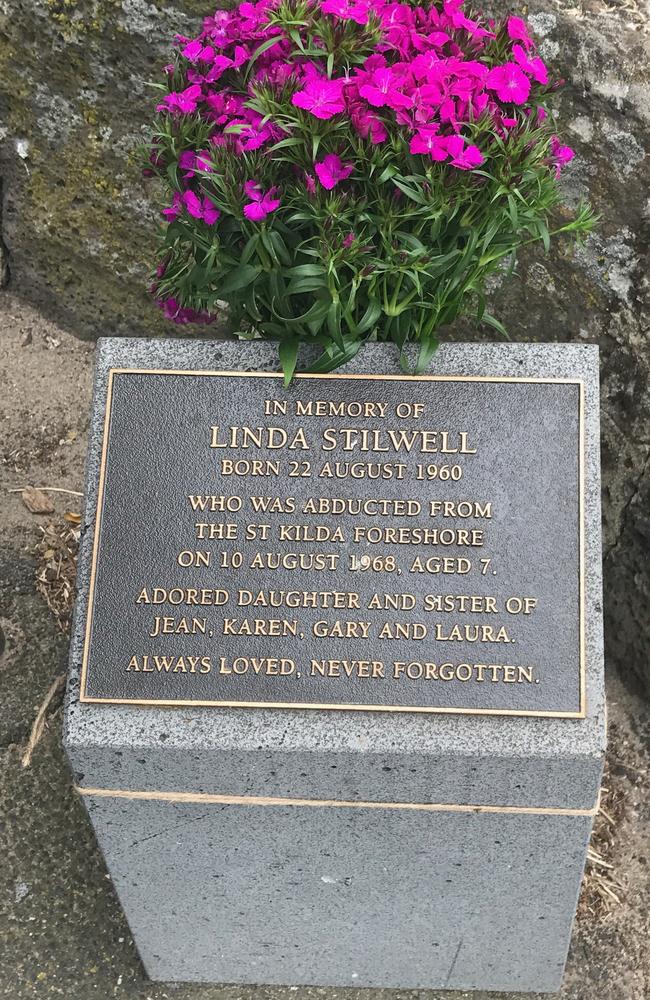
{"points": [[310, 184], [193, 204], [218, 68], [510, 84], [479, 104], [322, 98], [192, 50], [196, 51], [261, 204], [534, 66], [518, 31], [249, 132], [224, 106], [201, 208], [331, 170], [428, 67], [561, 154], [435, 39], [210, 212], [367, 124], [190, 162], [382, 89], [186, 162], [255, 14], [178, 314], [346, 10], [376, 130], [349, 240], [277, 73], [447, 112], [460, 20], [241, 56], [396, 15], [462, 156], [427, 141], [175, 208], [184, 101], [203, 162], [217, 27]]}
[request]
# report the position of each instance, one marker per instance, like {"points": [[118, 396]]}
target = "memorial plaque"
{"points": [[384, 543]]}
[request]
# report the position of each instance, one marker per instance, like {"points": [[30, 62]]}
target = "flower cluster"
{"points": [[341, 169]]}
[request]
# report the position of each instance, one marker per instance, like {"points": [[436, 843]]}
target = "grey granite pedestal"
{"points": [[258, 845]]}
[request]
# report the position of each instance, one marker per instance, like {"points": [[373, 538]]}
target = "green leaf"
{"points": [[249, 249], [334, 322], [260, 49], [411, 241], [370, 317], [235, 129], [495, 324], [544, 235], [333, 357], [512, 212], [251, 307], [237, 279], [302, 285], [286, 144], [269, 246], [288, 351], [306, 271], [316, 313], [428, 347], [440, 263], [386, 174], [175, 231], [410, 192], [273, 329], [199, 276]]}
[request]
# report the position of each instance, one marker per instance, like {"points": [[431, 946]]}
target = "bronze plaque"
{"points": [[373, 543]]}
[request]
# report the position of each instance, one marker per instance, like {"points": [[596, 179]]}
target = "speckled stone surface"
{"points": [[345, 897], [241, 894]]}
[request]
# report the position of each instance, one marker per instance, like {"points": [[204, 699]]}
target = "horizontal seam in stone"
{"points": [[262, 800]]}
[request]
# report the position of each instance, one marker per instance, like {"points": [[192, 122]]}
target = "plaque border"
{"points": [[188, 703]]}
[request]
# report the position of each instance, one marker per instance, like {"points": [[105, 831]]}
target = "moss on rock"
{"points": [[78, 219]]}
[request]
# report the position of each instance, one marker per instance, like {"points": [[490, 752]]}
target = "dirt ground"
{"points": [[62, 929]]}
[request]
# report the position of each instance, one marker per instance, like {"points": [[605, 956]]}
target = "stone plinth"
{"points": [[367, 848]]}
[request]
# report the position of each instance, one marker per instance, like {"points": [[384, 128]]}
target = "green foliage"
{"points": [[394, 253]]}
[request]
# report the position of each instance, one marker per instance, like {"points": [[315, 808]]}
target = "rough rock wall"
{"points": [[74, 97], [77, 226], [601, 294]]}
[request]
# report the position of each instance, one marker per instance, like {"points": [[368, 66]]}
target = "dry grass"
{"points": [[56, 570], [57, 567], [40, 722], [602, 891]]}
